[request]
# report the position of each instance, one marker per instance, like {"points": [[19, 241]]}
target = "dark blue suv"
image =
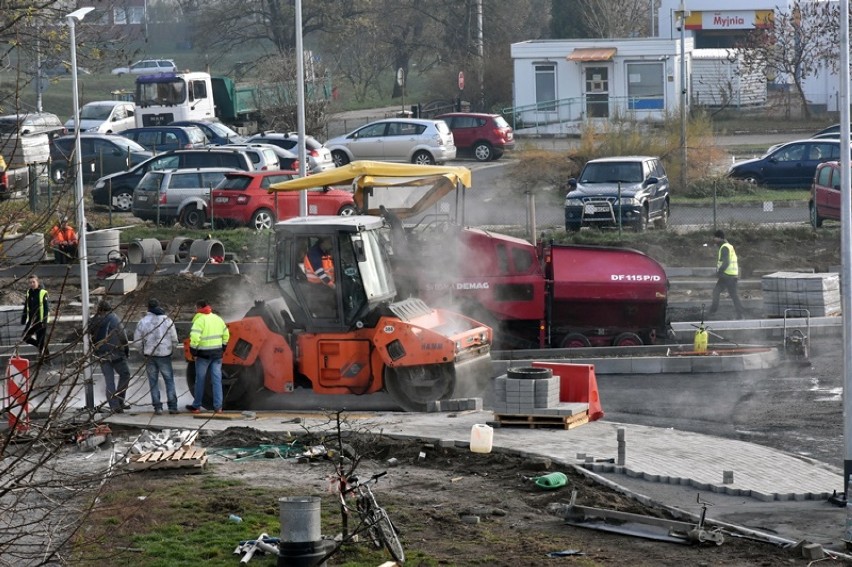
{"points": [[216, 132], [167, 138]]}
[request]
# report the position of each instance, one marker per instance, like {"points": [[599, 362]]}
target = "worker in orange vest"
{"points": [[319, 266], [63, 240]]}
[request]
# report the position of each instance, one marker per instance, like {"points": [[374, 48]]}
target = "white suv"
{"points": [[264, 157], [424, 142], [318, 157], [147, 67]]}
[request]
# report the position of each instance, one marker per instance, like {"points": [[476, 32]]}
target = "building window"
{"points": [[119, 16], [545, 87], [136, 14], [645, 86]]}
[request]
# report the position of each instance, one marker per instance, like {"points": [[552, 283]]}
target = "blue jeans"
{"points": [[114, 396], [161, 365], [201, 367]]}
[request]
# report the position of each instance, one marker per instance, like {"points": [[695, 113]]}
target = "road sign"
{"points": [[400, 77], [461, 80]]}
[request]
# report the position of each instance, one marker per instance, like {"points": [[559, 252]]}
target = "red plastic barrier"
{"points": [[16, 393], [577, 383]]}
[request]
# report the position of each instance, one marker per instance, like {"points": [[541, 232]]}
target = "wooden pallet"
{"points": [[536, 421], [189, 458]]}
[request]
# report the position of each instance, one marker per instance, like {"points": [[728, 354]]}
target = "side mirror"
{"points": [[572, 183], [651, 181]]}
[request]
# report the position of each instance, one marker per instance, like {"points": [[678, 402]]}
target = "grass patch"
{"points": [[153, 520]]}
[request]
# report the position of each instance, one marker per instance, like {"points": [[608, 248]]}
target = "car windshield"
{"points": [[95, 112], [612, 172], [235, 182], [130, 145], [222, 130]]}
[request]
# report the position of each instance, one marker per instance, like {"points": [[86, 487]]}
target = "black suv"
{"points": [[117, 189], [101, 154], [631, 191], [164, 138]]}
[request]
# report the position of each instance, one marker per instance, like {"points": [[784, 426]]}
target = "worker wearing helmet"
{"points": [[319, 265], [63, 240]]}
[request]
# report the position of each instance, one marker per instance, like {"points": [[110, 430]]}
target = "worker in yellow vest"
{"points": [[208, 339], [728, 272]]}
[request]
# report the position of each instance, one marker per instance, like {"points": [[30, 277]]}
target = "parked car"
{"points": [[244, 199], [216, 132], [824, 203], [116, 190], [101, 154], [147, 66], [833, 129], [176, 194], [166, 138], [411, 140], [318, 156], [632, 190], [787, 165], [105, 116], [30, 123], [485, 136], [263, 156]]}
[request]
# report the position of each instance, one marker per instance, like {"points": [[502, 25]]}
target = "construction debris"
{"points": [[168, 449], [91, 439]]}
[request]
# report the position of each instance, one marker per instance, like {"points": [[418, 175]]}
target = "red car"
{"points": [[485, 136], [242, 198], [825, 194]]}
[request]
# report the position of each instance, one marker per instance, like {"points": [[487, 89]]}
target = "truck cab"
{"points": [[166, 97]]}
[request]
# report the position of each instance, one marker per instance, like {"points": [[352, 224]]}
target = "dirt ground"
{"points": [[453, 507]]}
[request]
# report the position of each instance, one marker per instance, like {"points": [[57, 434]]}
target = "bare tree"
{"points": [[796, 44], [617, 18]]}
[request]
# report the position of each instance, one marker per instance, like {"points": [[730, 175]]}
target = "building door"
{"points": [[596, 85]]}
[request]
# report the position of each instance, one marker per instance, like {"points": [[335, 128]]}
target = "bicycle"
{"points": [[375, 519]]}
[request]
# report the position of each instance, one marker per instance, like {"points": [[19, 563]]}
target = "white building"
{"points": [[562, 84]]}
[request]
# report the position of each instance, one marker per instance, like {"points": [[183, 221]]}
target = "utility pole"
{"points": [[480, 52], [683, 94]]}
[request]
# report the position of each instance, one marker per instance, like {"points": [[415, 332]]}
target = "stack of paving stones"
{"points": [[455, 404], [819, 294], [530, 391]]}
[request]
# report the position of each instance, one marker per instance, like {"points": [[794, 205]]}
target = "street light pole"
{"points": [[683, 94], [72, 20]]}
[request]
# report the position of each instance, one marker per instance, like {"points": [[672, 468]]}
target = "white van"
{"points": [[105, 116]]}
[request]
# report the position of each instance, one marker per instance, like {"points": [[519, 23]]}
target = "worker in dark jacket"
{"points": [[34, 317], [110, 346], [728, 272]]}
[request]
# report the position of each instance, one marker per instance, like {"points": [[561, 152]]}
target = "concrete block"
{"points": [[813, 551], [120, 284]]}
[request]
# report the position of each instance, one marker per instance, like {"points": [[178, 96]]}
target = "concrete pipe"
{"points": [[22, 249], [179, 247], [167, 259], [529, 372], [145, 251], [204, 250], [100, 243]]}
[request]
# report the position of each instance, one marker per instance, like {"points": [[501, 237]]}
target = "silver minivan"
{"points": [[177, 195]]}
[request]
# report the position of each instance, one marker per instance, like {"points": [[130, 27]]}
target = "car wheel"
{"points": [[423, 158], [122, 201], [193, 217], [483, 151], [816, 220], [663, 220], [347, 211], [641, 223], [340, 158], [59, 174], [752, 178], [262, 219]]}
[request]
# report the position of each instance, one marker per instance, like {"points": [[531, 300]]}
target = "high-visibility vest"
{"points": [[316, 276], [42, 293], [733, 268], [209, 332], [59, 235]]}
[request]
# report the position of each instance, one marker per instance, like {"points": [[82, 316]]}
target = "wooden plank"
{"points": [[178, 459], [536, 421], [220, 415]]}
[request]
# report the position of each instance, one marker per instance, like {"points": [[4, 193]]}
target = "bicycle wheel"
{"points": [[387, 534], [368, 520]]}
